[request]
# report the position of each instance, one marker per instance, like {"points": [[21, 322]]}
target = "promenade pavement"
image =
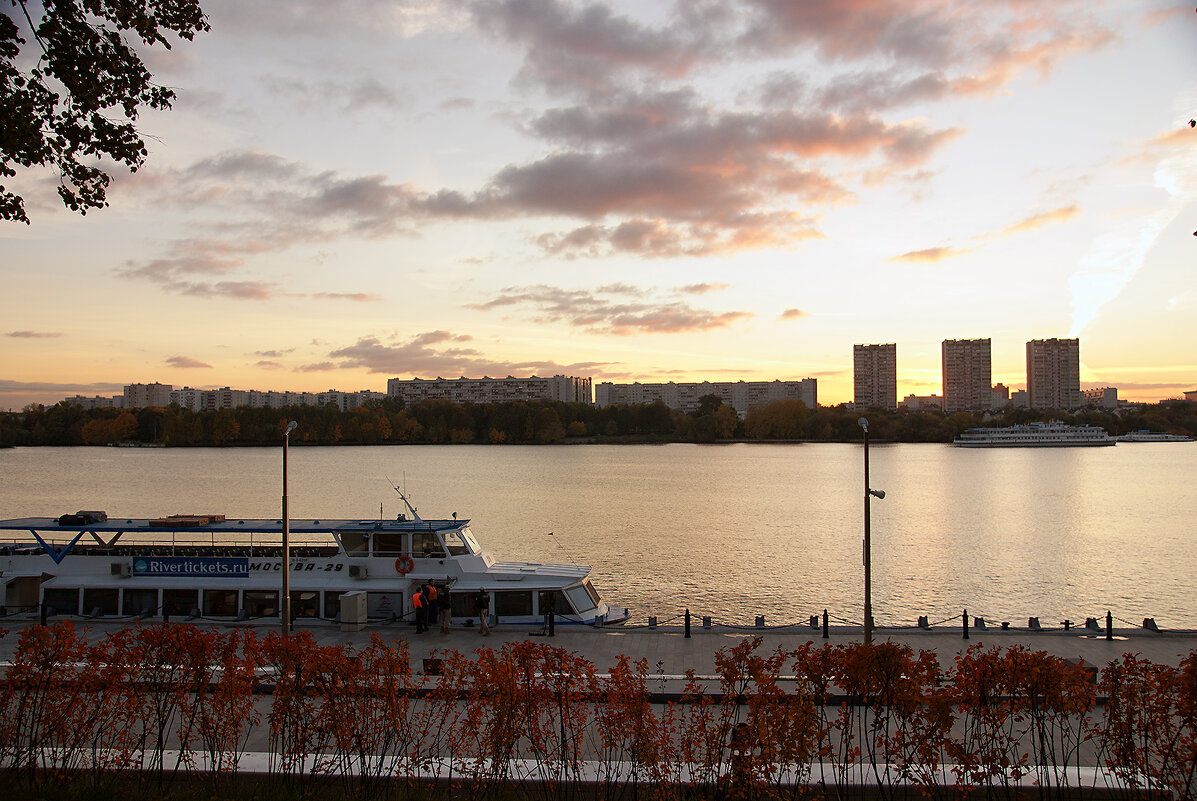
{"points": [[669, 652]]}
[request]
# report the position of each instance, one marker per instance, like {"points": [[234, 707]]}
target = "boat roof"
{"points": [[246, 525]]}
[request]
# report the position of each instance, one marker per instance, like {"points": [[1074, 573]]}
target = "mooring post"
{"points": [[826, 625], [966, 624], [687, 624], [1109, 625]]}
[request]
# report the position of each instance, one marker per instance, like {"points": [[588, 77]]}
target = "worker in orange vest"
{"points": [[421, 607]]}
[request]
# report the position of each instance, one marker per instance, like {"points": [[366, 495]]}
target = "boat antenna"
{"points": [[403, 497]]}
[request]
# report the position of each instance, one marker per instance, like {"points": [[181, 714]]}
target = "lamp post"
{"points": [[285, 604], [869, 494]]}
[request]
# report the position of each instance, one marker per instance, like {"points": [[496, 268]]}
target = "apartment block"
{"points": [[875, 376], [139, 396], [967, 383], [568, 389], [740, 395], [1101, 397], [1054, 373], [917, 403]]}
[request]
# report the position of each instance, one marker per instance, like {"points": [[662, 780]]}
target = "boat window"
{"points": [[220, 603], [461, 604], [387, 543], [353, 541], [511, 602], [305, 603], [332, 604], [100, 598], [580, 599], [425, 544], [594, 596], [261, 603], [65, 600], [180, 602], [556, 600], [139, 601], [470, 541], [456, 544]]}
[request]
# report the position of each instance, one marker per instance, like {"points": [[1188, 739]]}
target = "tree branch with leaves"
{"points": [[72, 85]]}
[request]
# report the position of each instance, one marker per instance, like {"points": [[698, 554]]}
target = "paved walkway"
{"points": [[668, 651]]}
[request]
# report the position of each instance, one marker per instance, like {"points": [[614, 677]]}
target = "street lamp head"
{"points": [[290, 427], [878, 494], [864, 423]]}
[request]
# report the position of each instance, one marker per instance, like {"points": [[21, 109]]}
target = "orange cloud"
{"points": [[1041, 219], [793, 314], [929, 255]]}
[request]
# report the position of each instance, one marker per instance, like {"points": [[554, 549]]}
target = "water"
{"points": [[730, 531]]}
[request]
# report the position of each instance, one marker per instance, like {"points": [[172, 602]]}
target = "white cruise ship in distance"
{"points": [[1143, 435], [1052, 434]]}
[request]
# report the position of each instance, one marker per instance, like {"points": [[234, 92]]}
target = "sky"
{"points": [[348, 191]]}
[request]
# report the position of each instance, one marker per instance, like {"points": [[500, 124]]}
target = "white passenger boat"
{"points": [[1143, 435], [210, 566], [1052, 434]]}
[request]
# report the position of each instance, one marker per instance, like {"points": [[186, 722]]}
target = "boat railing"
{"points": [[179, 544]]}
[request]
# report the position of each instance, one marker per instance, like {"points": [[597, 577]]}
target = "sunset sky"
{"points": [[347, 192]]}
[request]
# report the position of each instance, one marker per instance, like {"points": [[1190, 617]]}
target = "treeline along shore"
{"points": [[441, 422]]}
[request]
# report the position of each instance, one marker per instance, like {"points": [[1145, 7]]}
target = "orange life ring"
{"points": [[404, 565]]}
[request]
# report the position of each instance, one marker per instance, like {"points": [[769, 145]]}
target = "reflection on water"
{"points": [[727, 530]]}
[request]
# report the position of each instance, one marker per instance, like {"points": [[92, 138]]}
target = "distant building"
{"points": [[1101, 397], [967, 381], [917, 403], [1019, 399], [347, 400], [188, 398], [98, 402], [139, 396], [493, 390], [875, 376], [1054, 373], [740, 395], [1191, 394], [999, 396]]}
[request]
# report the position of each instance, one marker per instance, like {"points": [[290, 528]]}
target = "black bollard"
{"points": [[1067, 624], [687, 624], [826, 625], [1109, 625], [42, 614], [966, 624], [552, 623]]}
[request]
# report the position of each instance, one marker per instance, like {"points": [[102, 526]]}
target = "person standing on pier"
{"points": [[482, 607], [417, 601], [446, 608]]}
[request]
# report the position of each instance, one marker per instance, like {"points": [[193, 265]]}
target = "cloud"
{"points": [[356, 297], [50, 392], [929, 255], [364, 93], [34, 334], [268, 364], [186, 361], [318, 367], [703, 288], [273, 354], [1043, 218], [591, 311], [418, 358], [793, 314]]}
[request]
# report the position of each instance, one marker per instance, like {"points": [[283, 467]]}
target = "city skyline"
{"points": [[630, 192]]}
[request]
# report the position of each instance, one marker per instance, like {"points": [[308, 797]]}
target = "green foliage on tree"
{"points": [[440, 422], [72, 86]]}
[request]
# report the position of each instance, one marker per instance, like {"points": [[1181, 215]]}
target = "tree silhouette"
{"points": [[78, 101]]}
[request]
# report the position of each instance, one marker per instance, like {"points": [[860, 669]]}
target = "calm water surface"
{"points": [[727, 530]]}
